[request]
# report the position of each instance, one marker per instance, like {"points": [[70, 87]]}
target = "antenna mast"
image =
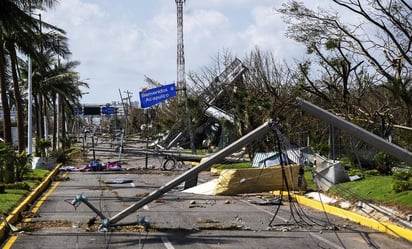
{"points": [[181, 81]]}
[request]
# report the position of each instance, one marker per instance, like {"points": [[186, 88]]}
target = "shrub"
{"points": [[321, 149], [65, 155], [400, 186], [384, 163], [372, 172], [18, 185], [60, 155], [7, 156], [42, 145], [402, 181], [22, 164]]}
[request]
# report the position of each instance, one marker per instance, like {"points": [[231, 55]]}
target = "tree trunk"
{"points": [[54, 124], [17, 96], [38, 105], [43, 110], [63, 118], [6, 112]]}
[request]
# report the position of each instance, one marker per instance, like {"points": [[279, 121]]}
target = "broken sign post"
{"points": [[154, 96], [252, 136]]}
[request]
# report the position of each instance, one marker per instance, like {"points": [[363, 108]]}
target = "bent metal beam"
{"points": [[218, 157], [370, 138]]}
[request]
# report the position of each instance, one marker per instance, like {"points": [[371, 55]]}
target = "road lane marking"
{"points": [[40, 202], [10, 241], [326, 241], [167, 243]]}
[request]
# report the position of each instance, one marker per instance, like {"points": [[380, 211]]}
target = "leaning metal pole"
{"points": [[368, 137], [218, 157]]}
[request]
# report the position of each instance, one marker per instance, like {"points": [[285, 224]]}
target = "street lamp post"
{"points": [[29, 110]]}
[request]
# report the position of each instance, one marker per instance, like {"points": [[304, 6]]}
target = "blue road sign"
{"points": [[156, 95], [78, 111], [108, 110]]}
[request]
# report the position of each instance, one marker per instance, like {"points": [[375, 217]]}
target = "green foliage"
{"points": [[377, 189], [7, 155], [233, 166], [348, 163], [18, 190], [371, 172], [384, 162], [36, 174], [67, 142], [311, 185], [61, 155], [402, 181], [321, 149], [18, 185], [22, 164], [400, 186], [42, 145], [10, 199], [332, 43]]}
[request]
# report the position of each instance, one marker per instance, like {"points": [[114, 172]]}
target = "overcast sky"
{"points": [[118, 42]]}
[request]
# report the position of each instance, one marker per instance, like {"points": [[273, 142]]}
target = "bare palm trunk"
{"points": [[54, 123], [37, 106], [63, 117], [6, 112], [17, 96], [43, 111]]}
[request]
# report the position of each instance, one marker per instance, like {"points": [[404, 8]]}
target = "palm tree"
{"points": [[17, 96], [18, 30], [63, 85], [51, 80]]}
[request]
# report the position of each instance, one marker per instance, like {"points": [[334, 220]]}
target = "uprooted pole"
{"points": [[218, 157], [370, 138]]}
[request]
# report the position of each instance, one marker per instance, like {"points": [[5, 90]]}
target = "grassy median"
{"points": [[16, 192], [378, 189]]}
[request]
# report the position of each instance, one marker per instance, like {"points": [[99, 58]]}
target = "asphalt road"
{"points": [[180, 220]]}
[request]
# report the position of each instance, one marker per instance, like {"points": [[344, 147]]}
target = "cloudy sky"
{"points": [[118, 42]]}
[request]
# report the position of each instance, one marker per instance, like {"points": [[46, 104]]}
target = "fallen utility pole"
{"points": [[370, 138], [253, 135]]}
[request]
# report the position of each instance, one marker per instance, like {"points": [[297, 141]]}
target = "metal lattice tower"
{"points": [[181, 81]]}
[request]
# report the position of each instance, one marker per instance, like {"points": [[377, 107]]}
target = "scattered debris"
{"points": [[118, 181], [277, 201], [207, 188], [10, 227], [211, 224], [200, 220], [94, 166], [321, 197], [102, 188]]}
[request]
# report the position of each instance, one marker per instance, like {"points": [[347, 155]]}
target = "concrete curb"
{"points": [[14, 216], [385, 227]]}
